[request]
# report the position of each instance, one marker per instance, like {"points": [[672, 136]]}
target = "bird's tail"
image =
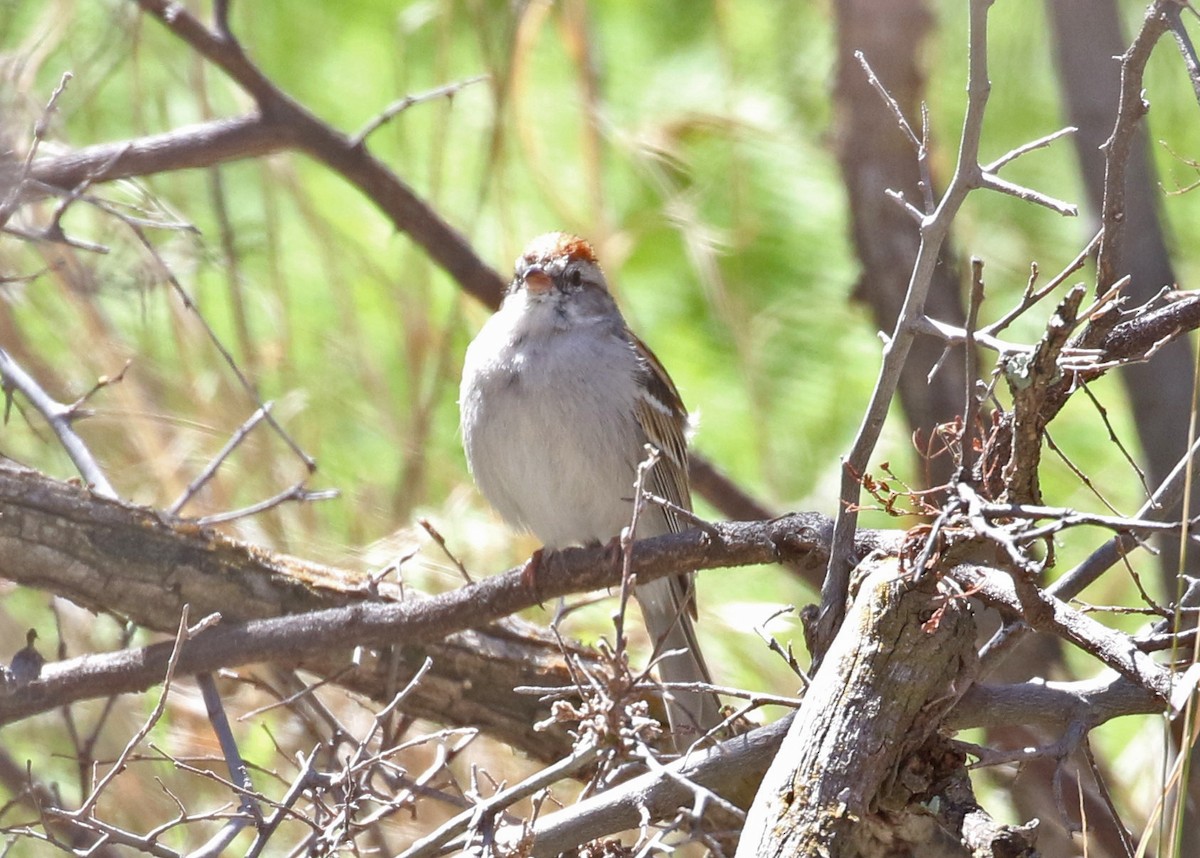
{"points": [[664, 608]]}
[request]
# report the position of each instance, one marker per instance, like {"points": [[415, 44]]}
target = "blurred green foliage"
{"points": [[688, 143], [688, 140]]}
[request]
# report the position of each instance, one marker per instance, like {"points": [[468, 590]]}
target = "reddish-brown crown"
{"points": [[552, 245]]}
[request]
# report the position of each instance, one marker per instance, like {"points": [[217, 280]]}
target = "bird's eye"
{"points": [[575, 277]]}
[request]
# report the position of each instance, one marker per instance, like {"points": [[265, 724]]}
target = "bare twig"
{"points": [[1187, 50], [400, 105], [1112, 436], [1097, 563], [238, 773], [971, 372], [1040, 143], [627, 536], [1033, 296], [226, 355], [59, 416], [934, 230], [437, 537], [118, 766], [995, 183], [1054, 616], [211, 468], [1106, 797], [296, 493], [920, 145], [303, 781], [432, 843], [954, 335], [1079, 474], [13, 198], [877, 85], [1130, 109]]}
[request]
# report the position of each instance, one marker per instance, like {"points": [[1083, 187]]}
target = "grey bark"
{"points": [[857, 760]]}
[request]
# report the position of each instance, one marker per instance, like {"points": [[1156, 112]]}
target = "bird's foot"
{"points": [[614, 552], [529, 573]]}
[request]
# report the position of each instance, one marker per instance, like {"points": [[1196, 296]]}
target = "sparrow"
{"points": [[558, 402]]}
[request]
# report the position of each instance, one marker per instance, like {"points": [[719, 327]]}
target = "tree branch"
{"points": [[934, 230], [837, 766], [1131, 107]]}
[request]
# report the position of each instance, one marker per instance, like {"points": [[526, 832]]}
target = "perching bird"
{"points": [[558, 402], [27, 663]]}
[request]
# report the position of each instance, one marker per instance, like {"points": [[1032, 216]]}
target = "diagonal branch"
{"points": [[934, 230], [1131, 107], [59, 416], [284, 125]]}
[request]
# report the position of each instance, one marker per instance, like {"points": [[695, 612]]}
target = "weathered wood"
{"points": [[901, 658], [108, 555], [112, 556]]}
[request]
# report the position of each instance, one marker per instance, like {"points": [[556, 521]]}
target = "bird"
{"points": [[558, 402], [27, 664]]}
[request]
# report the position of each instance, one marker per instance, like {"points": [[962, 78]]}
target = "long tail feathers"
{"points": [[691, 713]]}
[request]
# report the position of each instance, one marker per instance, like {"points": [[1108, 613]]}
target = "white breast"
{"points": [[548, 426]]}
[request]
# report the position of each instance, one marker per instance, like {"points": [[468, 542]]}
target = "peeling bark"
{"points": [[856, 762]]}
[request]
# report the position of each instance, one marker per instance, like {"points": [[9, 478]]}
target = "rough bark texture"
{"points": [[848, 771], [110, 556], [123, 558], [875, 156]]}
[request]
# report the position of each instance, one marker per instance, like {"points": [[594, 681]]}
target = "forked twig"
{"points": [[211, 468], [183, 634], [59, 416]]}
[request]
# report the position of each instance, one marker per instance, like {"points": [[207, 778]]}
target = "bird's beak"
{"points": [[537, 280]]}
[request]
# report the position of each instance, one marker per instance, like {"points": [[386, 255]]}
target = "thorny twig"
{"points": [[935, 227]]}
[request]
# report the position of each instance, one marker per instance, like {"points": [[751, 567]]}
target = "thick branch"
{"points": [[112, 556], [897, 664], [1128, 341], [189, 147], [1110, 345], [734, 769], [1113, 648], [1029, 377], [1088, 702], [117, 557]]}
